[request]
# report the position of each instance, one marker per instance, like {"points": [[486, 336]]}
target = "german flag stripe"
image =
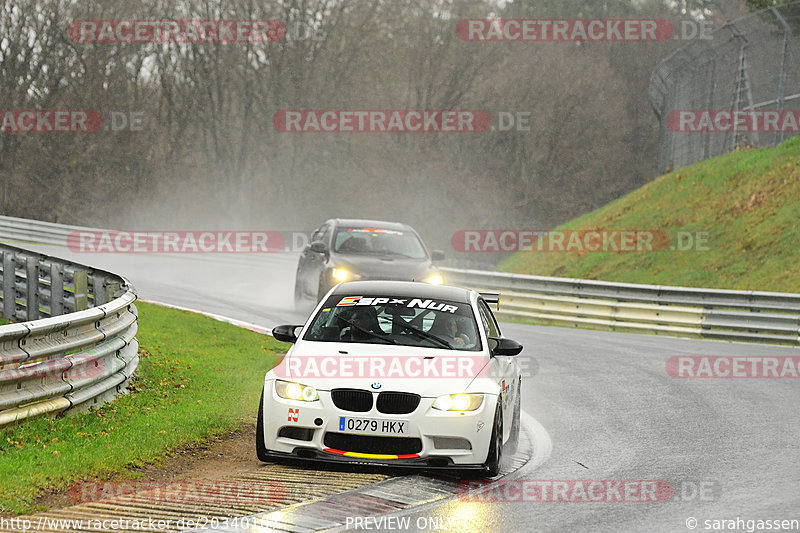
{"points": [[372, 455]]}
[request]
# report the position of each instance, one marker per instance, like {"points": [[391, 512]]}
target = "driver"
{"points": [[366, 319], [447, 328]]}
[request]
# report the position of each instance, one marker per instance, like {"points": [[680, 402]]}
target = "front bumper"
{"points": [[436, 439], [306, 454]]}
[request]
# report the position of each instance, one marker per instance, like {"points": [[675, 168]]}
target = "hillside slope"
{"points": [[749, 203]]}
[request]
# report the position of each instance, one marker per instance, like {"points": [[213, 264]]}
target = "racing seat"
{"points": [[367, 319]]}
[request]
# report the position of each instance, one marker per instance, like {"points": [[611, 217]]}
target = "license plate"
{"points": [[373, 426]]}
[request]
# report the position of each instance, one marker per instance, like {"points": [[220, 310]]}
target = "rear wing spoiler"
{"points": [[491, 298]]}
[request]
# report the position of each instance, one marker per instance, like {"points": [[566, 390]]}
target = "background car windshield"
{"points": [[376, 241], [422, 322]]}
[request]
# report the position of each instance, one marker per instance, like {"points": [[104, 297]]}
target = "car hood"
{"points": [[375, 267], [424, 371]]}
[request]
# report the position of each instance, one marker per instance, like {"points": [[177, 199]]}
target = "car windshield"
{"points": [[423, 322], [377, 241]]}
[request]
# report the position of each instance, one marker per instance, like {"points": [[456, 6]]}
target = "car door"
{"points": [[504, 367]]}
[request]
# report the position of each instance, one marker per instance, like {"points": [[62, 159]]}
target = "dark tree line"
{"points": [[207, 153]]}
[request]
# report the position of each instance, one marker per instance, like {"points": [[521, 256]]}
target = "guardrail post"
{"points": [[9, 275], [111, 290], [80, 281], [32, 281], [99, 289], [56, 289]]}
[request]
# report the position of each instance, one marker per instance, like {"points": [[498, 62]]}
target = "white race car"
{"points": [[394, 373]]}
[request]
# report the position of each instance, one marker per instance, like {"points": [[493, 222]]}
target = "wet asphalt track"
{"points": [[605, 399]]}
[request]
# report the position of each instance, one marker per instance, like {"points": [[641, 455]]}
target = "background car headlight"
{"points": [[295, 391], [435, 279], [342, 274], [458, 402]]}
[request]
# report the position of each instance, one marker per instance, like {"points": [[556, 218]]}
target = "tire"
{"points": [[261, 448], [495, 457], [513, 440]]}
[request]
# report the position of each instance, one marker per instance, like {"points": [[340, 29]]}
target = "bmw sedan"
{"points": [[394, 373]]}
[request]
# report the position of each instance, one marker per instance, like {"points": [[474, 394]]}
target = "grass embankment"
{"points": [[197, 378], [749, 203]]}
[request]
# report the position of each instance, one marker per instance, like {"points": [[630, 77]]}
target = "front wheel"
{"points": [[261, 448], [492, 465]]}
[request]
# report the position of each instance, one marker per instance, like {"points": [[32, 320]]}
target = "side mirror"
{"points": [[503, 346], [319, 247], [437, 255], [285, 333]]}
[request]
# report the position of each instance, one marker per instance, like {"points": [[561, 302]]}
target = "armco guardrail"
{"points": [[720, 314], [26, 230], [73, 342]]}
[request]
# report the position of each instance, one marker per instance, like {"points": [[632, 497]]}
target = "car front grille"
{"points": [[356, 400], [397, 403], [368, 444]]}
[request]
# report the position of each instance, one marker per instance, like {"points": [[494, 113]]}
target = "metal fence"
{"points": [[72, 343], [748, 316], [750, 64]]}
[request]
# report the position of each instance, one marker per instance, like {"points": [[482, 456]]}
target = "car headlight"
{"points": [[342, 274], [435, 279], [296, 391], [458, 402]]}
